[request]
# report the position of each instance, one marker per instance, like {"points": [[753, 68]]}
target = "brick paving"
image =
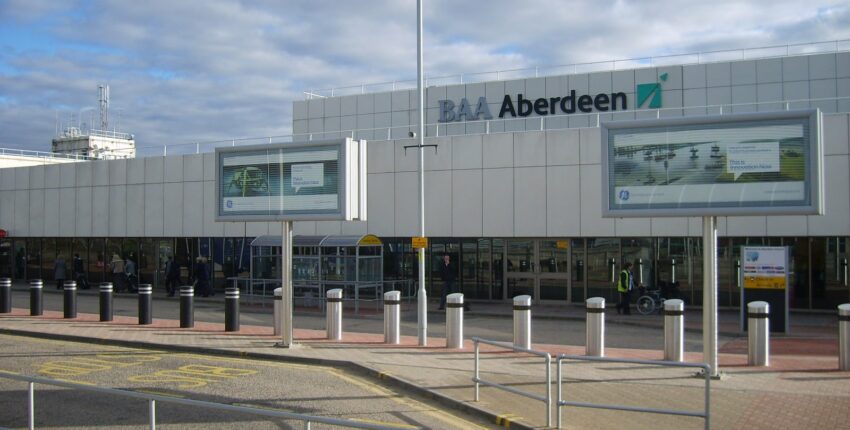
{"points": [[801, 389]]}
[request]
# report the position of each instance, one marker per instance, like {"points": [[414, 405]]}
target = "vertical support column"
{"points": [[709, 293], [522, 321], [70, 302], [145, 304], [231, 309], [674, 330], [392, 317], [422, 300], [454, 321], [286, 284], [187, 306], [106, 301], [595, 327], [334, 314], [758, 333], [844, 337], [5, 295], [36, 299], [278, 299]]}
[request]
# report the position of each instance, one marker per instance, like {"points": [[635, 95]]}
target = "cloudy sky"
{"points": [[185, 71]]}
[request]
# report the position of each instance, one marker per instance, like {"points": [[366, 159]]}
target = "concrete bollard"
{"points": [[758, 333], [5, 295], [392, 317], [454, 321], [522, 322], [145, 304], [70, 293], [106, 301], [334, 314], [36, 299], [231, 309], [187, 306], [278, 302], [674, 330], [844, 336], [595, 326]]}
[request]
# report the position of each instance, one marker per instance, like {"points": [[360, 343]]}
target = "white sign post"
{"points": [[298, 181], [730, 165]]}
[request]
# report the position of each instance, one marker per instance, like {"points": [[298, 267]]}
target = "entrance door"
{"points": [[538, 268]]}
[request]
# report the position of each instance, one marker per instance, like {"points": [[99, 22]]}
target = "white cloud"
{"points": [[184, 71]]}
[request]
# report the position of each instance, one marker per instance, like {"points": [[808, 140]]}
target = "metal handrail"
{"points": [[485, 125], [548, 357], [700, 57], [40, 154], [153, 398], [705, 414]]}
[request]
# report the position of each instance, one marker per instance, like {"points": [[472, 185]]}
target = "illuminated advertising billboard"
{"points": [[293, 181], [740, 164]]}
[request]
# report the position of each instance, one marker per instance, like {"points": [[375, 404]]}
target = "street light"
{"points": [[422, 304]]}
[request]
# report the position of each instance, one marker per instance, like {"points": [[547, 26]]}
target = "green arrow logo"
{"points": [[651, 92]]}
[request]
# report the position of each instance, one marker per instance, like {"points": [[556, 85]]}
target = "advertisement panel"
{"points": [[292, 181], [740, 164], [764, 276]]}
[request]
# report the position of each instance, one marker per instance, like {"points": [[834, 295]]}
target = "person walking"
{"points": [[448, 273], [625, 285], [172, 276], [59, 271], [132, 276], [80, 272], [202, 277], [118, 276]]}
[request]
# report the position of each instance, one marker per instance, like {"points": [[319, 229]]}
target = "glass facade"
{"points": [[551, 270]]}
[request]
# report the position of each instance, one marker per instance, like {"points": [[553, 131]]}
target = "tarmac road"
{"points": [[299, 388]]}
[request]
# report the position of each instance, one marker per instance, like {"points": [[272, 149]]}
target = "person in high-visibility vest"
{"points": [[625, 285]]}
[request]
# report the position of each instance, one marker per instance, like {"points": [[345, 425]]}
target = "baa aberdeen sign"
{"points": [[572, 103]]}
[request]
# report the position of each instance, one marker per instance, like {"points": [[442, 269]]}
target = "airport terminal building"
{"points": [[513, 186]]}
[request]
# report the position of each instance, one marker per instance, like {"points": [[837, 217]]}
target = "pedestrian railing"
{"points": [[307, 420], [705, 413], [547, 399]]}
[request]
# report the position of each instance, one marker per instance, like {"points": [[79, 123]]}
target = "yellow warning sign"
{"points": [[562, 244], [764, 282], [420, 242]]}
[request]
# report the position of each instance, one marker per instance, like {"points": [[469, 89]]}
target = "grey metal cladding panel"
{"points": [[822, 66], [743, 72], [693, 76], [795, 69], [769, 70]]}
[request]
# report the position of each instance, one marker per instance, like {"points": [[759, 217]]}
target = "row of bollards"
{"points": [[145, 304]]}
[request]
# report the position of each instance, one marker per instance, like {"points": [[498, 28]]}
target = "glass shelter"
{"points": [[320, 263]]}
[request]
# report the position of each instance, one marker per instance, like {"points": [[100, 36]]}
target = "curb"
{"points": [[375, 374]]}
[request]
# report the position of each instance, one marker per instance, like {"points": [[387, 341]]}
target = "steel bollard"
{"points": [[334, 314], [70, 292], [392, 317], [145, 304], [595, 336], [758, 333], [454, 321], [36, 299], [231, 309], [522, 321], [674, 330], [187, 306], [106, 301], [5, 295], [844, 336], [278, 302]]}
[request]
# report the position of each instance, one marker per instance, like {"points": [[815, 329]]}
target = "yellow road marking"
{"points": [[505, 420]]}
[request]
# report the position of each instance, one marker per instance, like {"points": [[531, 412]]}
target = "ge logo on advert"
{"points": [[229, 203], [624, 195]]}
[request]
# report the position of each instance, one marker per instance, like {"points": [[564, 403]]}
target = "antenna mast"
{"points": [[103, 97]]}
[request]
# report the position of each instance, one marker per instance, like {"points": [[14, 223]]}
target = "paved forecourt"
{"points": [[802, 388]]}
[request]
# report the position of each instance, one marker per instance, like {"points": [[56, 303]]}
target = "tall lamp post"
{"points": [[422, 304]]}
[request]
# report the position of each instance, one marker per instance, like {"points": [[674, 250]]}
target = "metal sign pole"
{"points": [[286, 285], [709, 293], [422, 303]]}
